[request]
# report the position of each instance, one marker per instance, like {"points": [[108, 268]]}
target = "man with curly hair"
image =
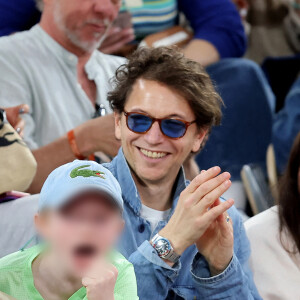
{"points": [[183, 240]]}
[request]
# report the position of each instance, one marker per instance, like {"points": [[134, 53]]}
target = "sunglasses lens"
{"points": [[139, 123], [173, 128]]}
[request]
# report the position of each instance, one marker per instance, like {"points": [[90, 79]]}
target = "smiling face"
{"points": [[83, 22], [152, 156], [83, 230]]}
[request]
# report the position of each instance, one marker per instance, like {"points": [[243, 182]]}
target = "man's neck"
{"points": [[51, 281], [156, 195]]}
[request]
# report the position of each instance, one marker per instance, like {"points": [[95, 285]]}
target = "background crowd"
{"points": [[53, 93]]}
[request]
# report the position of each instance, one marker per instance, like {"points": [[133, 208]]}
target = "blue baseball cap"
{"points": [[74, 178]]}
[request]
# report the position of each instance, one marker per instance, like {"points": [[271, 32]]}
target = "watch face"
{"points": [[163, 247]]}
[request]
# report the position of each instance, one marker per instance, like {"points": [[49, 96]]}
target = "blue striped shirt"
{"points": [[153, 16], [216, 21]]}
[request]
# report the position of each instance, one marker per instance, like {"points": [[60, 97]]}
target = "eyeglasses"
{"points": [[142, 123]]}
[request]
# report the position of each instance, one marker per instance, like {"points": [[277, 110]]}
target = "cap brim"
{"points": [[65, 198]]}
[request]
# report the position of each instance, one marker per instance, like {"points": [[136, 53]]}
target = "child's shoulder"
{"points": [[18, 259], [119, 261], [125, 287]]}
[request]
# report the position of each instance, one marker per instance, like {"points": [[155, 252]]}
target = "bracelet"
{"points": [[73, 145]]}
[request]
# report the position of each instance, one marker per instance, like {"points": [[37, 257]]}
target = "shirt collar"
{"points": [[58, 50], [91, 67], [130, 193]]}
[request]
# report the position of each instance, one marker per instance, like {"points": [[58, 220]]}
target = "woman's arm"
{"points": [[218, 30]]}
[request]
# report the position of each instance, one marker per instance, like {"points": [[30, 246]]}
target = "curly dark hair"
{"points": [[289, 197], [170, 67]]}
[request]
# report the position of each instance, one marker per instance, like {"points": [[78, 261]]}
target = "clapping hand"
{"points": [[216, 244], [199, 219]]}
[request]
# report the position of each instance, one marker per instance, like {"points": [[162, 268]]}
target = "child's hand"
{"points": [[100, 281]]}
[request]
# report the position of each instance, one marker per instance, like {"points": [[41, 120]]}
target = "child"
{"points": [[79, 220]]}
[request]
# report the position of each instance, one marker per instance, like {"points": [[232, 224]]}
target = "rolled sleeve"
{"points": [[149, 253], [152, 273], [230, 284], [236, 281], [201, 276]]}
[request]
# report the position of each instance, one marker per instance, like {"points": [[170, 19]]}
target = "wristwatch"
{"points": [[164, 248]]}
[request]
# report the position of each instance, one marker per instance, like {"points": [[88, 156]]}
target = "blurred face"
{"points": [[85, 22], [152, 156], [81, 232]]}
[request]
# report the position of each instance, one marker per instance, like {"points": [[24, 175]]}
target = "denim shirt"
{"points": [[189, 278]]}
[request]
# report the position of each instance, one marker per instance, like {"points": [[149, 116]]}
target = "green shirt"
{"points": [[16, 278]]}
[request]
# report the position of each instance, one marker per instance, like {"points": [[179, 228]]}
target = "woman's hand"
{"points": [[196, 212]]}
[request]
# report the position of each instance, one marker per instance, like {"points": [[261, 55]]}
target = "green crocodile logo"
{"points": [[86, 172]]}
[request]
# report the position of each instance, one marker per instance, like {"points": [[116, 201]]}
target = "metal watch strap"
{"points": [[172, 255]]}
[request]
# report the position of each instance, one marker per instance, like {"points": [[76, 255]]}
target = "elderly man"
{"points": [[56, 69]]}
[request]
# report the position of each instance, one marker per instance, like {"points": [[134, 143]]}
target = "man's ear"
{"points": [[40, 224], [119, 229], [43, 2], [200, 136], [118, 125], [122, 225]]}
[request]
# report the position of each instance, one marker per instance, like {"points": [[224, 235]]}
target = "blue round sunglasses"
{"points": [[141, 123]]}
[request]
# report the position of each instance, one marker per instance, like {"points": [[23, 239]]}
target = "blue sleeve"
{"points": [[286, 126], [236, 282], [17, 15], [153, 275], [218, 22]]}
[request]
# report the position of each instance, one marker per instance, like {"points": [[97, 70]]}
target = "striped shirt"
{"points": [[215, 21], [152, 16]]}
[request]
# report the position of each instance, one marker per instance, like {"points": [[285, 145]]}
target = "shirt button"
{"points": [[71, 58], [141, 228]]}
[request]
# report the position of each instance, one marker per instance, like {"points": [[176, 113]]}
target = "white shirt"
{"points": [[154, 216], [276, 272], [36, 70]]}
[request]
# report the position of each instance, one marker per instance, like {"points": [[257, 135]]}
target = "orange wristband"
{"points": [[74, 148], [92, 157], [73, 145]]}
